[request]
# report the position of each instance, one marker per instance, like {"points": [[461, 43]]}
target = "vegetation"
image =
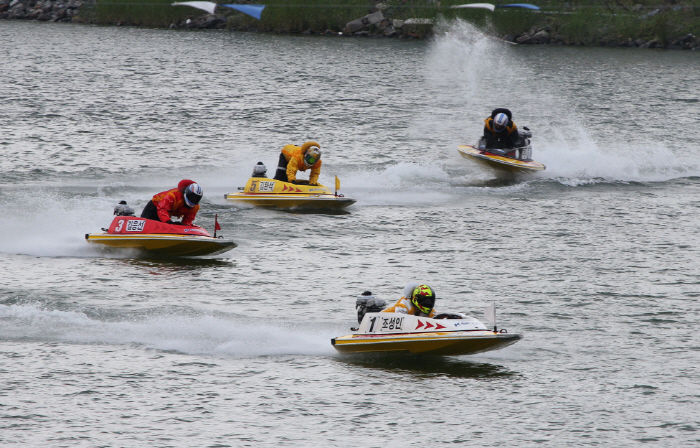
{"points": [[593, 22]]}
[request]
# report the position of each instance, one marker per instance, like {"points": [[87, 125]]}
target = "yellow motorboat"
{"points": [[261, 191], [160, 238], [448, 334]]}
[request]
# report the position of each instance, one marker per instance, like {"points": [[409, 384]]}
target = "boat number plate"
{"points": [[135, 225], [267, 186]]}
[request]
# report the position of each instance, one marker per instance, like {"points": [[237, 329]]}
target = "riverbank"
{"points": [[625, 24]]}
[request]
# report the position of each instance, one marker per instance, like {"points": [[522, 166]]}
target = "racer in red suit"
{"points": [[182, 201]]}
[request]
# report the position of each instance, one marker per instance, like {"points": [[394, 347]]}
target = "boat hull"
{"points": [[174, 245], [264, 192], [161, 238], [397, 332], [498, 163], [443, 344]]}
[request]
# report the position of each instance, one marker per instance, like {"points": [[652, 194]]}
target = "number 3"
{"points": [[119, 226]]}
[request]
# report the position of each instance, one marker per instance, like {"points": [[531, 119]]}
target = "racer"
{"points": [[418, 300], [499, 130], [299, 158], [181, 202]]}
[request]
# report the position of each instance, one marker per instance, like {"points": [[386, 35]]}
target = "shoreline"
{"points": [[381, 22]]}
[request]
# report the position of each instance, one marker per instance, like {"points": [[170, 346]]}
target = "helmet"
{"points": [[500, 122], [193, 194], [259, 170], [312, 155], [423, 297]]}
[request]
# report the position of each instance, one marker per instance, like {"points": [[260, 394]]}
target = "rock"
{"points": [[509, 37], [390, 32], [364, 22], [687, 38], [418, 22], [523, 39], [541, 37], [397, 23], [210, 22], [308, 32]]}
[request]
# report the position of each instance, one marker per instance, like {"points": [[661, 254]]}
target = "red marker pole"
{"points": [[216, 224]]}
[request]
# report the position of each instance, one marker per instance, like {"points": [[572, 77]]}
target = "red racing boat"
{"points": [[158, 237]]}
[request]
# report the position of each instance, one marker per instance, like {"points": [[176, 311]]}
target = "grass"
{"points": [[591, 22], [154, 13]]}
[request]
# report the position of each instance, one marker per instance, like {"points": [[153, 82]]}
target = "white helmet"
{"points": [[313, 155], [193, 194], [500, 122]]}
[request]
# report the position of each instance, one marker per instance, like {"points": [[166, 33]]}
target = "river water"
{"points": [[595, 261]]}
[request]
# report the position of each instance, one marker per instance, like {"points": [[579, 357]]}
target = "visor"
{"points": [[310, 160], [423, 309], [192, 199]]}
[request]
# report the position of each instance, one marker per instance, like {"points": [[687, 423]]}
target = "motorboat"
{"points": [[446, 334], [504, 161], [160, 238], [265, 192]]}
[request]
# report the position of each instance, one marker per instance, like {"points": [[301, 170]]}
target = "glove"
{"points": [[169, 221]]}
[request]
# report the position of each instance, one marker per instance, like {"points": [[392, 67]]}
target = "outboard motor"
{"points": [[367, 303], [259, 170], [525, 150], [122, 209]]}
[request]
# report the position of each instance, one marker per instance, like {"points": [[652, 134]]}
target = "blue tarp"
{"points": [[251, 10], [519, 5]]}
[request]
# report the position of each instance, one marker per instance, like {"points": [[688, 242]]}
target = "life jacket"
{"points": [[295, 162], [405, 306], [509, 129], [171, 203]]}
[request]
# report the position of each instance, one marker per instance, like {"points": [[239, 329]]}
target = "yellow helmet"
{"points": [[423, 298]]}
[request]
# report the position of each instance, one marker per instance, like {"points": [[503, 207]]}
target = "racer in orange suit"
{"points": [[181, 202]]}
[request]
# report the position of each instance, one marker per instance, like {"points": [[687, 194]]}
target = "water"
{"points": [[595, 261]]}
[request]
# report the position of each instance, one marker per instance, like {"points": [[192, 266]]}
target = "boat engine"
{"points": [[259, 170], [367, 303], [122, 209]]}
